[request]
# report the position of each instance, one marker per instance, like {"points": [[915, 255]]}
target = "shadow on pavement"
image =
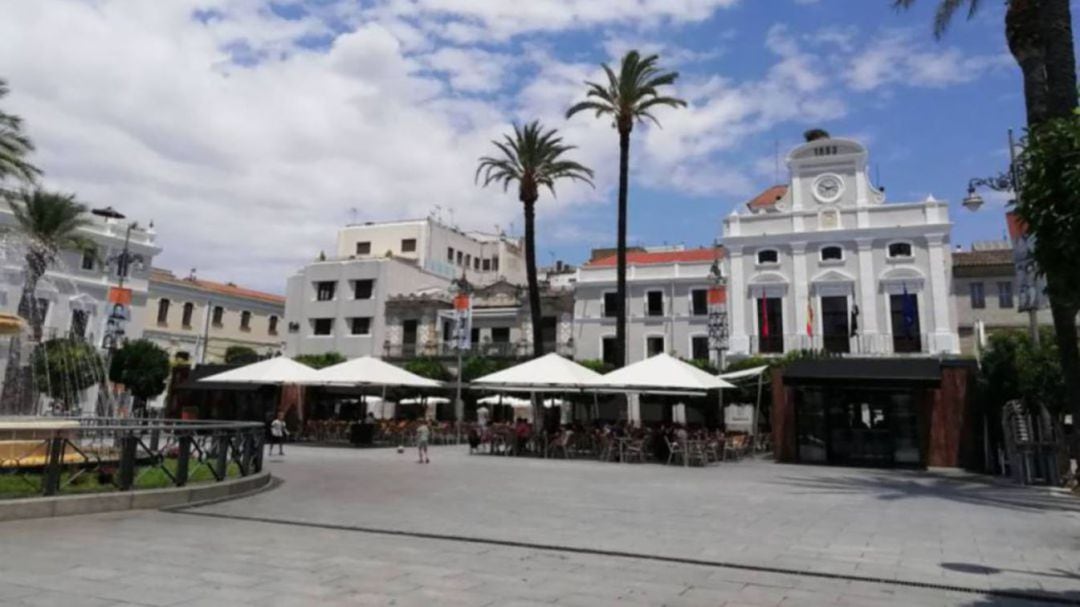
{"points": [[900, 485]]}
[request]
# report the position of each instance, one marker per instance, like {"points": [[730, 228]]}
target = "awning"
{"points": [[369, 371], [663, 374], [908, 371], [549, 373], [745, 373], [271, 371]]}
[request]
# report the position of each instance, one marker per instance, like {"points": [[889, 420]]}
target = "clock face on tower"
{"points": [[828, 188]]}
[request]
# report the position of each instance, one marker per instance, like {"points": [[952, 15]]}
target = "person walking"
{"points": [[278, 432], [423, 436]]}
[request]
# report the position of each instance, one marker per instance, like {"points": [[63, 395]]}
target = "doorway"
{"points": [[835, 332]]}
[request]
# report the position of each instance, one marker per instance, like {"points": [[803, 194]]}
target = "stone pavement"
{"points": [[757, 534]]}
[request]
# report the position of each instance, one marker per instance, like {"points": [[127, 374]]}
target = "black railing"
{"points": [[508, 350], [51, 456]]}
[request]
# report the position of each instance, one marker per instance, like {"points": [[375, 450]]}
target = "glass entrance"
{"points": [[834, 324], [857, 426]]}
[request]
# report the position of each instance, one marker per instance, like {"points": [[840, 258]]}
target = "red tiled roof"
{"points": [[644, 258], [767, 198], [217, 287]]}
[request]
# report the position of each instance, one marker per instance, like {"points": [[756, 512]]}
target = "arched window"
{"points": [[832, 253], [163, 311], [189, 310], [899, 250], [245, 321], [273, 325], [768, 257]]}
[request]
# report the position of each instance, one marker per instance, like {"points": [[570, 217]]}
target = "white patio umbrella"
{"points": [[661, 374], [272, 371], [549, 373], [369, 371], [499, 399]]}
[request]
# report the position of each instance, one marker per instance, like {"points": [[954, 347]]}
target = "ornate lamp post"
{"points": [[718, 330], [1008, 181], [462, 334], [717, 299]]}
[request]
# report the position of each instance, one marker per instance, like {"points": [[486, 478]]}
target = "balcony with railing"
{"points": [[448, 350], [841, 345]]}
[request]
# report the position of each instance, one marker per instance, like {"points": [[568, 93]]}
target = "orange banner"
{"points": [[461, 303], [717, 296], [120, 296]]}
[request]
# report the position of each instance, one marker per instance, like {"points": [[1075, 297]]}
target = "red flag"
{"points": [[809, 318], [764, 318]]}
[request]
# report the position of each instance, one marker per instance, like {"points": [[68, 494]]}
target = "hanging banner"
{"points": [[1030, 286], [462, 321]]}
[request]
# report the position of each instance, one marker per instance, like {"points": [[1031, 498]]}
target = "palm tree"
{"points": [[628, 97], [532, 158], [48, 222], [1039, 34], [14, 146]]}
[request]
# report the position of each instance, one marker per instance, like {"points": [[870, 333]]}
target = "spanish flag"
{"points": [[810, 317]]}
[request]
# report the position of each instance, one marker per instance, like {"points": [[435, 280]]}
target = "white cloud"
{"points": [[249, 150], [898, 57]]}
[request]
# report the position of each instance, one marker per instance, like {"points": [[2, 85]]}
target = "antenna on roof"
{"points": [[776, 157], [352, 213], [877, 176]]}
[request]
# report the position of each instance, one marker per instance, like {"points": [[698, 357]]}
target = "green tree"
{"points": [[64, 367], [532, 158], [1040, 38], [143, 368], [48, 223], [597, 365], [15, 146], [319, 361], [240, 355], [628, 97], [430, 368], [479, 366]]}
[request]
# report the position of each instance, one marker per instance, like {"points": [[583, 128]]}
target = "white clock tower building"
{"points": [[824, 263]]}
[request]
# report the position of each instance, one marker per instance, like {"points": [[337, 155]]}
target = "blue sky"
{"points": [[249, 131]]}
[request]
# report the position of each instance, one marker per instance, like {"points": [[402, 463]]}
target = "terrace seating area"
{"points": [[673, 444]]}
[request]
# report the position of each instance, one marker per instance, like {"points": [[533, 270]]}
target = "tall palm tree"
{"points": [[48, 223], [1040, 38], [14, 146], [627, 97], [532, 158]]}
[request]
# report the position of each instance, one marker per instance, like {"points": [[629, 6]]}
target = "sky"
{"points": [[250, 131]]}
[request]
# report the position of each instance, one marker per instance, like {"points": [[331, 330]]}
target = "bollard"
{"points": [[128, 445], [54, 465], [221, 465], [183, 460]]}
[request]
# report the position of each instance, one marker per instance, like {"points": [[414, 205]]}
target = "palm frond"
{"points": [[531, 157], [945, 12], [630, 92]]}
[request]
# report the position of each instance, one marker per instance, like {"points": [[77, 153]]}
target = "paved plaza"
{"points": [[372, 527]]}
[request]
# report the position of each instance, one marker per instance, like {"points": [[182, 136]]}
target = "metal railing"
{"points": [[52, 456], [511, 350], [859, 345]]}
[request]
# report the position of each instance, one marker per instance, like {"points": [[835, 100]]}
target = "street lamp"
{"points": [[717, 299], [1008, 181]]}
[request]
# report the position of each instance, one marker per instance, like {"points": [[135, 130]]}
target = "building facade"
{"points": [[73, 296], [339, 304], [437, 249], [422, 324], [985, 292], [198, 320], [825, 263], [667, 307]]}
